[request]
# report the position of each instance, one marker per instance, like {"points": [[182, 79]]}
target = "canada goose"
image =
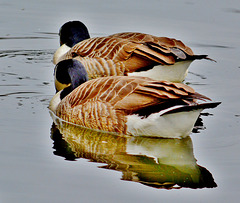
{"points": [[129, 53], [129, 105]]}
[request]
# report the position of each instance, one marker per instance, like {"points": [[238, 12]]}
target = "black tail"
{"points": [[186, 108]]}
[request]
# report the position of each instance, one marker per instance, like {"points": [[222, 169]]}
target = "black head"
{"points": [[70, 72], [73, 32]]}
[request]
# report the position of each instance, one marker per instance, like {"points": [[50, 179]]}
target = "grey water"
{"points": [[37, 165]]}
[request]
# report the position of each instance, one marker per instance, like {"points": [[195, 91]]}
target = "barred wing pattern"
{"points": [[127, 52], [165, 44], [104, 103]]}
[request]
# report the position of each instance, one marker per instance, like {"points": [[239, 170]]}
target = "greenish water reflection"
{"points": [[155, 162]]}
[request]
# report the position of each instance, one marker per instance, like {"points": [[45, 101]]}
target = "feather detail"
{"points": [[124, 53], [105, 103]]}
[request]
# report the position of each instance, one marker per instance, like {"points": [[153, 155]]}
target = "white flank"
{"points": [[54, 102], [173, 73], [60, 52], [172, 125]]}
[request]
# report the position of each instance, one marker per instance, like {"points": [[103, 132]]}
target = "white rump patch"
{"points": [[172, 125], [173, 73]]}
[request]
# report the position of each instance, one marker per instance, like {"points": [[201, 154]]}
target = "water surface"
{"points": [[38, 167]]}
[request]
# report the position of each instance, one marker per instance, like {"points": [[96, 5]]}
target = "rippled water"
{"points": [[39, 163]]}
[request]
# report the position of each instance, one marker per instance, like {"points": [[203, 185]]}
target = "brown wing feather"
{"points": [[94, 115], [163, 42], [104, 103], [115, 89], [103, 47], [145, 50]]}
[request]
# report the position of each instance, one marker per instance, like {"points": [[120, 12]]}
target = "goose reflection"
{"points": [[155, 162]]}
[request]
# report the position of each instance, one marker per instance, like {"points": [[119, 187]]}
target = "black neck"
{"points": [[66, 91]]}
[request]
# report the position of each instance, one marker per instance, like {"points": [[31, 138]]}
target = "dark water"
{"points": [[37, 165]]}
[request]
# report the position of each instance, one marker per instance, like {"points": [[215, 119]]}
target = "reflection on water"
{"points": [[155, 162]]}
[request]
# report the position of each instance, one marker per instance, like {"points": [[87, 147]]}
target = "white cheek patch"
{"points": [[59, 86]]}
